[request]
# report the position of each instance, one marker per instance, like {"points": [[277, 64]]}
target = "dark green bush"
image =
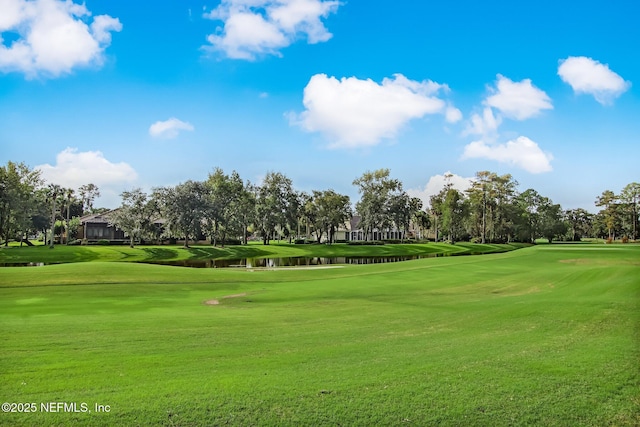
{"points": [[366, 243]]}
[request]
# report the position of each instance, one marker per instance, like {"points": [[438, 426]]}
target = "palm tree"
{"points": [[54, 192]]}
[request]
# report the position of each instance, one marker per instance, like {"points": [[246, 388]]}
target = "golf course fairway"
{"points": [[544, 335]]}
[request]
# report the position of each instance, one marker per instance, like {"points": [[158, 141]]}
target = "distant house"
{"points": [[96, 227], [356, 232]]}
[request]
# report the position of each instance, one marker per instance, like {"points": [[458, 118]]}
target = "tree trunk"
{"points": [[53, 222]]}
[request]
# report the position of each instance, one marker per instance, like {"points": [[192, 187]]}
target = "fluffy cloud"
{"points": [[254, 28], [73, 169], [589, 76], [521, 152], [485, 125], [357, 113], [518, 100], [452, 114], [437, 183], [169, 128], [53, 37]]}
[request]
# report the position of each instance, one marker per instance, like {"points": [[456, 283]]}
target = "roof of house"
{"points": [[97, 218]]}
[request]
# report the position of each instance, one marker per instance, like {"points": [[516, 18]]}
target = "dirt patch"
{"points": [[217, 301]]}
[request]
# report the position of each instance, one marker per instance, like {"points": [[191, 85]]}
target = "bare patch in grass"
{"points": [[217, 302]]}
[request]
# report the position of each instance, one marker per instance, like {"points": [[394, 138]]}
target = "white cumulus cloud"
{"points": [[521, 152], [486, 124], [586, 75], [356, 113], [169, 128], [54, 37], [73, 169], [452, 114], [518, 100], [436, 183], [254, 28]]}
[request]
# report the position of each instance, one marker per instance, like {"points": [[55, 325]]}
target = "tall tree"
{"points": [[375, 189], [608, 202], [454, 209], [422, 222], [630, 197], [183, 208], [18, 184], [480, 194], [134, 216], [55, 192], [243, 207], [551, 220], [402, 209], [526, 224], [88, 193], [327, 211], [579, 223], [274, 205]]}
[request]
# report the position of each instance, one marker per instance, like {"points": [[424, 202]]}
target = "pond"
{"points": [[293, 261], [273, 262]]}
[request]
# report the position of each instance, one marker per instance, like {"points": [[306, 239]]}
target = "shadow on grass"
{"points": [[228, 252], [160, 253]]}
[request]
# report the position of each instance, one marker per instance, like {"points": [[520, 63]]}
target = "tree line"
{"points": [[224, 208]]}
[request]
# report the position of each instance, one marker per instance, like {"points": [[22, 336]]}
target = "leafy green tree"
{"points": [[275, 205], [135, 215], [436, 203], [503, 212], [54, 193], [610, 212], [454, 209], [243, 208], [327, 211], [579, 223], [480, 195], [375, 189], [422, 222], [88, 193], [551, 220], [72, 228], [402, 209], [18, 185], [526, 220], [630, 197], [183, 208]]}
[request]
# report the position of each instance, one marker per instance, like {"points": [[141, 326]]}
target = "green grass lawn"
{"points": [[546, 335]]}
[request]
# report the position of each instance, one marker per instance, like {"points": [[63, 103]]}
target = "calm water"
{"points": [[292, 261], [273, 262]]}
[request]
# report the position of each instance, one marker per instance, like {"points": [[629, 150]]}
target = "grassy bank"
{"points": [[66, 254], [545, 335]]}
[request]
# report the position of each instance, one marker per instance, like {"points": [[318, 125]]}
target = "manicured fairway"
{"points": [[546, 335]]}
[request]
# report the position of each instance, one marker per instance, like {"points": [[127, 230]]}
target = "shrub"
{"points": [[609, 240], [366, 243], [76, 242], [232, 242], [625, 239], [102, 242], [84, 242]]}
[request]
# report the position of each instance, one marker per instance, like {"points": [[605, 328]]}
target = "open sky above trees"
{"points": [[125, 94]]}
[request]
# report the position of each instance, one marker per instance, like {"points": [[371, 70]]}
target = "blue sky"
{"points": [[129, 94]]}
